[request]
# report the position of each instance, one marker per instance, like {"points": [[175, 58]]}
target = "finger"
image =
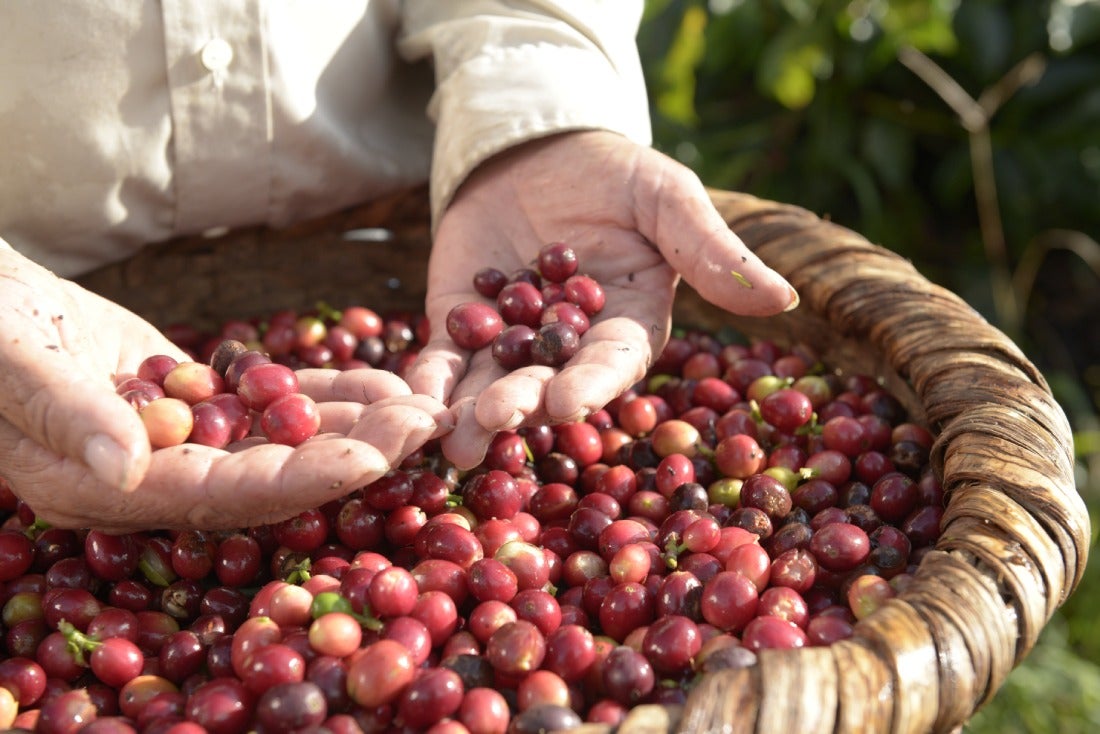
{"points": [[615, 353], [272, 481], [338, 418], [478, 385], [466, 445], [512, 400], [263, 484], [252, 441], [598, 374], [481, 371], [358, 385], [347, 418], [197, 486], [698, 243], [193, 486], [441, 363], [437, 369], [34, 473], [266, 483], [396, 430], [56, 406]]}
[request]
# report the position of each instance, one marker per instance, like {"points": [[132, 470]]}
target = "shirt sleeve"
{"points": [[510, 72]]}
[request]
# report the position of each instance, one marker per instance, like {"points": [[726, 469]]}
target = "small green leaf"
{"points": [[741, 279]]}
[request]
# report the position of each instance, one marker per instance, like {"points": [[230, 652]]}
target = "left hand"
{"points": [[79, 456], [637, 220]]}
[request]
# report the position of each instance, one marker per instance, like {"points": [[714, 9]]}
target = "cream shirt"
{"points": [[124, 123]]}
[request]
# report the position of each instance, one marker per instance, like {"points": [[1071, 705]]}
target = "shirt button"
{"points": [[216, 55]]}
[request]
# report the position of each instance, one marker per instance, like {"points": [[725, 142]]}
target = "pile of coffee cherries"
{"points": [[241, 392], [538, 316], [741, 497]]}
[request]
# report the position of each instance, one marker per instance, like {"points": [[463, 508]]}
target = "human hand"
{"points": [[637, 220], [79, 456]]}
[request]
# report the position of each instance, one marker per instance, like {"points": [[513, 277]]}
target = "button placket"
{"points": [[221, 152]]}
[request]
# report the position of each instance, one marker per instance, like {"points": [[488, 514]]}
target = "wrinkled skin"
{"points": [[638, 221], [78, 454]]}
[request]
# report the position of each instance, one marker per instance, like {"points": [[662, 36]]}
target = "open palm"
{"points": [[637, 220]]}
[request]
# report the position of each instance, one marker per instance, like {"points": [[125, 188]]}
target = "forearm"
{"points": [[508, 74]]}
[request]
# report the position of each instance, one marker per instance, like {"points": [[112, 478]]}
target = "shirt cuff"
{"points": [[507, 96], [510, 73]]}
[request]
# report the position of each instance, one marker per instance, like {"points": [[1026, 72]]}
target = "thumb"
{"points": [[48, 397], [76, 417], [698, 244]]}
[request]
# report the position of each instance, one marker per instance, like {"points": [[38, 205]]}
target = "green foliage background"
{"points": [[830, 104]]}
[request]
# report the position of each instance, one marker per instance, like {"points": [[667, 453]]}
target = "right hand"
{"points": [[637, 220], [78, 455]]}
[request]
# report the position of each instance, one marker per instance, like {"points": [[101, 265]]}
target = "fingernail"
{"points": [[107, 460], [580, 415], [794, 301], [514, 422]]}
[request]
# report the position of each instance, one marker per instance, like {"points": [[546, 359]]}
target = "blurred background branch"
{"points": [[975, 116]]}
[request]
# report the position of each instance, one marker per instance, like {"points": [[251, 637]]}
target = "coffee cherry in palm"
{"points": [[473, 325], [291, 419]]}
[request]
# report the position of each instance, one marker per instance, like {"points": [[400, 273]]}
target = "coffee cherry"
{"points": [[193, 382], [772, 632], [627, 675], [154, 368], [556, 262], [262, 384], [239, 365], [520, 303], [211, 425], [840, 546], [787, 409], [554, 344], [517, 647], [567, 313], [586, 293], [224, 354], [473, 325], [290, 419], [512, 346], [739, 456], [168, 422], [488, 281], [379, 674]]}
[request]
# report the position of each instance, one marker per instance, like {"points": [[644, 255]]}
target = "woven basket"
{"points": [[1015, 532]]}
